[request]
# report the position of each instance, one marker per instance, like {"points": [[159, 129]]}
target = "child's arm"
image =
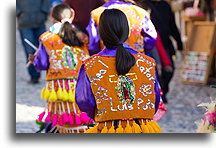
{"points": [[94, 39], [149, 34], [41, 60], [84, 96]]}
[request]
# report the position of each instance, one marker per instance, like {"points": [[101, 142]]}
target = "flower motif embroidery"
{"points": [[101, 94], [145, 89]]}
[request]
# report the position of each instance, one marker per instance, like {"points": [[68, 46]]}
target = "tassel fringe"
{"points": [[146, 127]]}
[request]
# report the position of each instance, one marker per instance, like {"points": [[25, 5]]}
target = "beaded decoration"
{"points": [[69, 59], [145, 89], [101, 94], [125, 90]]}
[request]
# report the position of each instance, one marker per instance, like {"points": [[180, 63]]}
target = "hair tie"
{"points": [[66, 20]]}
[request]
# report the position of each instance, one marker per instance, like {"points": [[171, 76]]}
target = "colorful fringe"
{"points": [[59, 90], [144, 127], [64, 114]]}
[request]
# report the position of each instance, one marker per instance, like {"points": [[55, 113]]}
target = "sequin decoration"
{"points": [[132, 76], [145, 89], [101, 94], [125, 90], [99, 76], [101, 111], [69, 59]]}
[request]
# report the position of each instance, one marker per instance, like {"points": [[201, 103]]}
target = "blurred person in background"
{"points": [[142, 31], [164, 22], [83, 9], [31, 17]]}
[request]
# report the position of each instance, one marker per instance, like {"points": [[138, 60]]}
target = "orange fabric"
{"points": [[135, 17], [102, 74], [60, 65]]}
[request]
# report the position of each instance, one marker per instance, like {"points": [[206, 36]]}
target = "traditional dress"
{"points": [[119, 104], [142, 32], [62, 63]]}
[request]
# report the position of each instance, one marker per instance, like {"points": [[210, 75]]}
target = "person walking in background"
{"points": [[83, 9], [61, 53], [31, 17], [117, 87], [164, 22], [142, 32]]}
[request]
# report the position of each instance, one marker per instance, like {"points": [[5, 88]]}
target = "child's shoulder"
{"points": [[48, 35], [90, 59]]}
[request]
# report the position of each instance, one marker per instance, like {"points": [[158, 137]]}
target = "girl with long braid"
{"points": [[117, 87]]}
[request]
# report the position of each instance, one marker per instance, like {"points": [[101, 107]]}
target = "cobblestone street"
{"points": [[182, 110]]}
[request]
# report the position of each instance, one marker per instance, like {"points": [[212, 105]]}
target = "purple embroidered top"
{"points": [[148, 30], [84, 95]]}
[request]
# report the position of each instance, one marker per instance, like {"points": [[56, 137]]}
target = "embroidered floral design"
{"points": [[145, 89], [101, 94]]}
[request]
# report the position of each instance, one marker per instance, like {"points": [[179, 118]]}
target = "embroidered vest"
{"points": [[103, 77], [135, 16], [65, 61]]}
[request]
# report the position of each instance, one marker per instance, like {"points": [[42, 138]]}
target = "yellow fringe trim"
{"points": [[120, 129], [146, 127], [111, 130], [42, 93], [60, 94], [104, 130], [92, 130]]}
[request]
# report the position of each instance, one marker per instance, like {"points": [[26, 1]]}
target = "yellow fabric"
{"points": [[65, 95], [155, 126], [120, 129], [53, 95], [92, 130], [151, 130], [46, 93], [60, 94], [104, 130], [111, 130], [128, 129], [42, 93], [71, 96], [144, 128], [136, 128]]}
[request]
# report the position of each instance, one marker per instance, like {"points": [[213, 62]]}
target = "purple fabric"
{"points": [[149, 34], [148, 30], [41, 61], [157, 93], [112, 52], [116, 3], [84, 95], [94, 38]]}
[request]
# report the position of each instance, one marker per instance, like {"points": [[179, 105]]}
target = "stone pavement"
{"points": [[182, 108]]}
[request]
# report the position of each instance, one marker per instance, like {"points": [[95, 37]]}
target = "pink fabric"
{"points": [[160, 113], [54, 120], [40, 117], [48, 118]]}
